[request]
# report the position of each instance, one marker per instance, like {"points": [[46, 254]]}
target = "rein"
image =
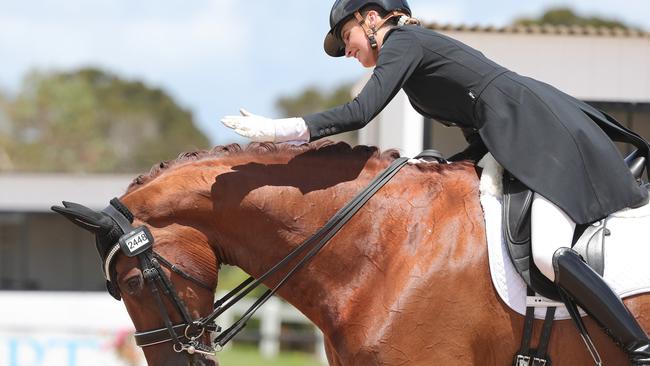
{"points": [[138, 242]]}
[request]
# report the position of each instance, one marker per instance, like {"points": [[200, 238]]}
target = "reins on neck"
{"points": [[325, 233]]}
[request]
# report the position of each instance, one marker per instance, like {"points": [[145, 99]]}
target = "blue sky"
{"points": [[215, 56]]}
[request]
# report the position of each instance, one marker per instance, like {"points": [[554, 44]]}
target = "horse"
{"points": [[405, 282]]}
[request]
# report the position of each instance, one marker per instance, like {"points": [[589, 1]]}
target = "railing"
{"points": [[271, 316]]}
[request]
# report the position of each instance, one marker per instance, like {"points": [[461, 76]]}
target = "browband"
{"points": [[123, 218], [120, 214]]}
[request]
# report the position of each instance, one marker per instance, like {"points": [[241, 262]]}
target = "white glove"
{"points": [[421, 161], [258, 128], [415, 161]]}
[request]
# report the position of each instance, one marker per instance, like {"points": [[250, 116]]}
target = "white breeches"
{"points": [[551, 229]]}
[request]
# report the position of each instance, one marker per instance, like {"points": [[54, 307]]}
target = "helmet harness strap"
{"points": [[371, 32]]}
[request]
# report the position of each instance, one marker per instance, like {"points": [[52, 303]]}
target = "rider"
{"points": [[550, 141]]}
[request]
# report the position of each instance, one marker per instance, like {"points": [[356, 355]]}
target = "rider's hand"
{"points": [[258, 128]]}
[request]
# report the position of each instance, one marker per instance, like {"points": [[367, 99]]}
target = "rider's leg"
{"points": [[550, 229], [581, 283]]}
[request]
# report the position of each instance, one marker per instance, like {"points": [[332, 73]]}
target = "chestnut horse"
{"points": [[405, 282]]}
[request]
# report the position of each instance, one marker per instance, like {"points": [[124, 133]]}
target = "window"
{"points": [[13, 255], [42, 251]]}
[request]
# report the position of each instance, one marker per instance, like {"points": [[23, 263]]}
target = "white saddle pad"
{"points": [[627, 249]]}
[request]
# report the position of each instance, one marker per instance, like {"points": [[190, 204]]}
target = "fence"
{"points": [[77, 328], [272, 316]]}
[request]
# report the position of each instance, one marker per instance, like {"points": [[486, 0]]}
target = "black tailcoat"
{"points": [[550, 141]]}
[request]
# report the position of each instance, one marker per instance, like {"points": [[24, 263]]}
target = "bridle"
{"points": [[186, 336], [138, 242]]}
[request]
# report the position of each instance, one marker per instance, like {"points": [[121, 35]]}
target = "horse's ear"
{"points": [[95, 222]]}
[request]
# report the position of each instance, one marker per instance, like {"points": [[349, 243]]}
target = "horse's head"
{"points": [[165, 287]]}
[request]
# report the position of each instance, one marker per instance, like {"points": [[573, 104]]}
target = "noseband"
{"points": [[186, 337]]}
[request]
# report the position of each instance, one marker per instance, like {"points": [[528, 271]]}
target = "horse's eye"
{"points": [[134, 284]]}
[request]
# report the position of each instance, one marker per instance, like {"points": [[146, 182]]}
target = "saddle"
{"points": [[516, 215], [588, 239]]}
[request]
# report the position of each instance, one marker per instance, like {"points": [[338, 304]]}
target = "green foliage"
{"points": [[312, 100], [230, 277], [5, 135], [90, 120], [566, 16]]}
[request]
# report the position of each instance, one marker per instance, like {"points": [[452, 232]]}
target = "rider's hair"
{"points": [[391, 22]]}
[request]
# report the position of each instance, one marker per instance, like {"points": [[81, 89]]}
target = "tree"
{"points": [[5, 140], [312, 100], [90, 120], [566, 16]]}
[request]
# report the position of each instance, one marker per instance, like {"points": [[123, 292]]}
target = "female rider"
{"points": [[553, 143]]}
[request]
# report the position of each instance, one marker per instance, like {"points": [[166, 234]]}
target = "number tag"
{"points": [[136, 242]]}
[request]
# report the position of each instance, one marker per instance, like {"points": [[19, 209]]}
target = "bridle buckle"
{"points": [[195, 347], [523, 360], [198, 326]]}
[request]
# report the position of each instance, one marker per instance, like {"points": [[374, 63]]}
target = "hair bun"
{"points": [[407, 20]]}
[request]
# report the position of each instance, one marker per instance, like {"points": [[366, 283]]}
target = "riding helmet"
{"points": [[344, 10]]}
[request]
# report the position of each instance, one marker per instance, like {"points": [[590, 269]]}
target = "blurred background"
{"points": [[93, 93]]}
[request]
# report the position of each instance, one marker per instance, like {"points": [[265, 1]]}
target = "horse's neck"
{"points": [[271, 220], [370, 261]]}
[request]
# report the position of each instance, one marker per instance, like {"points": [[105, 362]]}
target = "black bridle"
{"points": [[186, 337], [138, 242]]}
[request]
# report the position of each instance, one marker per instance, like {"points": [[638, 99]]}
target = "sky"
{"points": [[216, 56]]}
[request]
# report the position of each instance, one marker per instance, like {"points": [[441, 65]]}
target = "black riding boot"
{"points": [[590, 291]]}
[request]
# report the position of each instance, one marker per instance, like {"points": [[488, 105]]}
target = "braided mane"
{"points": [[259, 148]]}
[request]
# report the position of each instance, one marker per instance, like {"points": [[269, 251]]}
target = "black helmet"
{"points": [[344, 9]]}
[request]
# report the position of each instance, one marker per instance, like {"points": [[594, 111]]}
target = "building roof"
{"points": [[544, 29], [37, 192]]}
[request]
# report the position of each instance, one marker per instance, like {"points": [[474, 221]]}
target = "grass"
{"points": [[244, 355]]}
